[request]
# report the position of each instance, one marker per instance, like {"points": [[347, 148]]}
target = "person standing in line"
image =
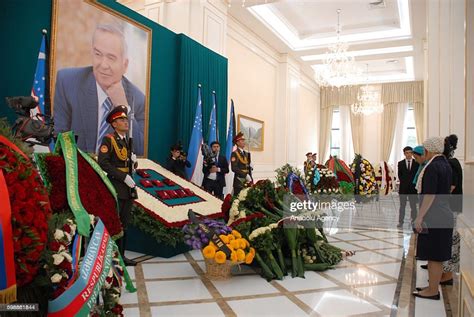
{"points": [[434, 223], [407, 169], [455, 202], [115, 159]]}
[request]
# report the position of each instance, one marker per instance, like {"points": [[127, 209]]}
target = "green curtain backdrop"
{"points": [[178, 64], [199, 65]]}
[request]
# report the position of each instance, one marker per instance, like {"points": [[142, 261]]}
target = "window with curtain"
{"points": [[410, 128], [335, 142]]}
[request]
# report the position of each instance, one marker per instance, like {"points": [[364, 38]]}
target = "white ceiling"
{"points": [[388, 37]]}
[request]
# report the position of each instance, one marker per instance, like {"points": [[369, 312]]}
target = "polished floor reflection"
{"points": [[376, 281]]}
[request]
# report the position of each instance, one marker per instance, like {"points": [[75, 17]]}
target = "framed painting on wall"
{"points": [[253, 130], [99, 59]]}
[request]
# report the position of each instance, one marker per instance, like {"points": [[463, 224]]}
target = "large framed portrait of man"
{"points": [[99, 60]]}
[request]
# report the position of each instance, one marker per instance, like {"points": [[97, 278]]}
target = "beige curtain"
{"points": [[407, 92], [389, 121], [419, 125], [325, 133], [357, 132]]}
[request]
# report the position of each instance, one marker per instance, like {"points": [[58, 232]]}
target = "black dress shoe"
{"points": [[434, 297], [424, 266], [129, 262], [447, 282], [419, 289]]}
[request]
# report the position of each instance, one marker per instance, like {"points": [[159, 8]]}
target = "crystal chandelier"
{"points": [[368, 100], [339, 68]]}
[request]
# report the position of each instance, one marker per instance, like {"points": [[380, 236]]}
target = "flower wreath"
{"points": [[325, 184], [30, 209], [62, 265]]}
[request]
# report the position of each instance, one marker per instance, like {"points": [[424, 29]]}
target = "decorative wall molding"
{"points": [[210, 21], [241, 34]]}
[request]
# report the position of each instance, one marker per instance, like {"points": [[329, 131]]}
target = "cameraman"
{"points": [[177, 161], [214, 172]]}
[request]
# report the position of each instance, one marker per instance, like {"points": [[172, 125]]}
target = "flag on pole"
{"points": [[194, 173], [230, 147], [213, 121], [230, 133], [38, 90]]}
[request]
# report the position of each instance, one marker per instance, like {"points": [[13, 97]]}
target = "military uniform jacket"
{"points": [[115, 166], [240, 164]]}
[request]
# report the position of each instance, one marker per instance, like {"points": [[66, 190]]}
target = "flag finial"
{"points": [[44, 31]]}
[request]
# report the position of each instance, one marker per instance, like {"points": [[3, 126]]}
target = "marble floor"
{"points": [[376, 281]]}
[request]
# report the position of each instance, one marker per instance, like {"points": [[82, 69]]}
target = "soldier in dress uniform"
{"points": [[240, 164], [115, 158], [307, 165]]}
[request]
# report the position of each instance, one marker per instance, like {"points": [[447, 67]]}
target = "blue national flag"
{"points": [[38, 91], [213, 122], [39, 84], [230, 133], [194, 150]]}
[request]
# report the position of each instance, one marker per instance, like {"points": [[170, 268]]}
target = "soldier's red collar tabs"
{"points": [[238, 137], [116, 113]]}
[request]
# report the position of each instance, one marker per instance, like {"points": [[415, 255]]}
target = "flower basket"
{"points": [[218, 272]]}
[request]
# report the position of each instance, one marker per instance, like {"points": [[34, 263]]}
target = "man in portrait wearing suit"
{"points": [[214, 172], [407, 169], [240, 162], [85, 95]]}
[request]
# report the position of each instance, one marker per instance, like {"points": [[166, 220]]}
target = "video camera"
{"points": [[209, 156], [39, 127]]}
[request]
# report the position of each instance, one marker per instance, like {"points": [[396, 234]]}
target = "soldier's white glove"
{"points": [[129, 181], [133, 158], [248, 178]]}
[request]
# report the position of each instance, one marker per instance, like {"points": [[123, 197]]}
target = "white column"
{"points": [[445, 53]]}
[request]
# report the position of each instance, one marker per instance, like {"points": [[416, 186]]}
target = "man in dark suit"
{"points": [[214, 172], [240, 162], [115, 159], [177, 161], [407, 169], [85, 95]]}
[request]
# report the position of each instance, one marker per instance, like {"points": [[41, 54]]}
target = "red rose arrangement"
{"points": [[30, 213], [95, 196]]}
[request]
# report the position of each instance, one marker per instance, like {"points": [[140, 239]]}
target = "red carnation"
{"points": [[67, 228], [25, 241], [117, 309]]}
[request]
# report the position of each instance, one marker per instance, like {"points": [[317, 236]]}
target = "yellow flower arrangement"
{"points": [[235, 244], [239, 247], [209, 252], [240, 255], [233, 256], [236, 234], [252, 251], [249, 258], [224, 238], [220, 257]]}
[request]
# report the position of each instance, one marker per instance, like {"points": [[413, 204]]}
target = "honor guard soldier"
{"points": [[240, 164], [117, 161]]}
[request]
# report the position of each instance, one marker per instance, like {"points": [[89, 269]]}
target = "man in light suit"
{"points": [[85, 95]]}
